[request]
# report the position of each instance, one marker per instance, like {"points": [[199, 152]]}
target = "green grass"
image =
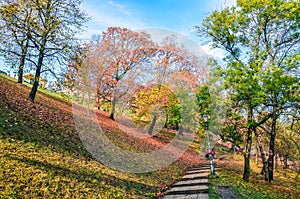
{"points": [[230, 175], [49, 93], [41, 156], [213, 194]]}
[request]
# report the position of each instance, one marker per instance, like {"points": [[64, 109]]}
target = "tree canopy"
{"points": [[43, 32], [261, 40]]}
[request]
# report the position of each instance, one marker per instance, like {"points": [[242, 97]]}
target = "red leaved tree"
{"points": [[119, 51]]}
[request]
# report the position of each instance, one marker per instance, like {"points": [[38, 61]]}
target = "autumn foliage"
{"points": [[122, 61], [43, 135]]}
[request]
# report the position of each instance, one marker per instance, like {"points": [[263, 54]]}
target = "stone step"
{"points": [[193, 185], [188, 196], [204, 165], [194, 176], [188, 190], [198, 171], [203, 168], [200, 168], [191, 182]]}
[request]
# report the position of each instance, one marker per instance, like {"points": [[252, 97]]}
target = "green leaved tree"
{"points": [[15, 20], [45, 28], [261, 40]]}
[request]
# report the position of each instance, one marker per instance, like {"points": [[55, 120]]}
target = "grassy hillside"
{"points": [[41, 155], [286, 184]]}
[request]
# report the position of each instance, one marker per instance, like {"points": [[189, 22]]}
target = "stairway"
{"points": [[193, 185]]}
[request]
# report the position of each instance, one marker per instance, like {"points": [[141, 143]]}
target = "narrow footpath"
{"points": [[193, 185]]}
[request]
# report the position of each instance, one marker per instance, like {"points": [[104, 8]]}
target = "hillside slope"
{"points": [[42, 156]]}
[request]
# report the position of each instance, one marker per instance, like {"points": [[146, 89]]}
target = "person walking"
{"points": [[213, 152]]}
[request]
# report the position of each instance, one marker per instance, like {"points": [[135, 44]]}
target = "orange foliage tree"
{"points": [[119, 51], [153, 102], [122, 61]]}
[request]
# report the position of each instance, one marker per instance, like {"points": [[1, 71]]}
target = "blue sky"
{"points": [[179, 16], [176, 15]]}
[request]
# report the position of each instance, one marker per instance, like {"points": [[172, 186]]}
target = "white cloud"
{"points": [[109, 14], [113, 13], [120, 7], [216, 53]]}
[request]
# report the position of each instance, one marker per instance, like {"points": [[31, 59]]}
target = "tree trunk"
{"points": [[34, 88], [150, 131], [98, 103], [272, 149], [298, 173], [20, 72], [264, 170], [285, 162], [22, 62], [177, 126], [276, 162], [256, 155], [167, 120], [246, 174], [113, 103], [180, 130]]}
